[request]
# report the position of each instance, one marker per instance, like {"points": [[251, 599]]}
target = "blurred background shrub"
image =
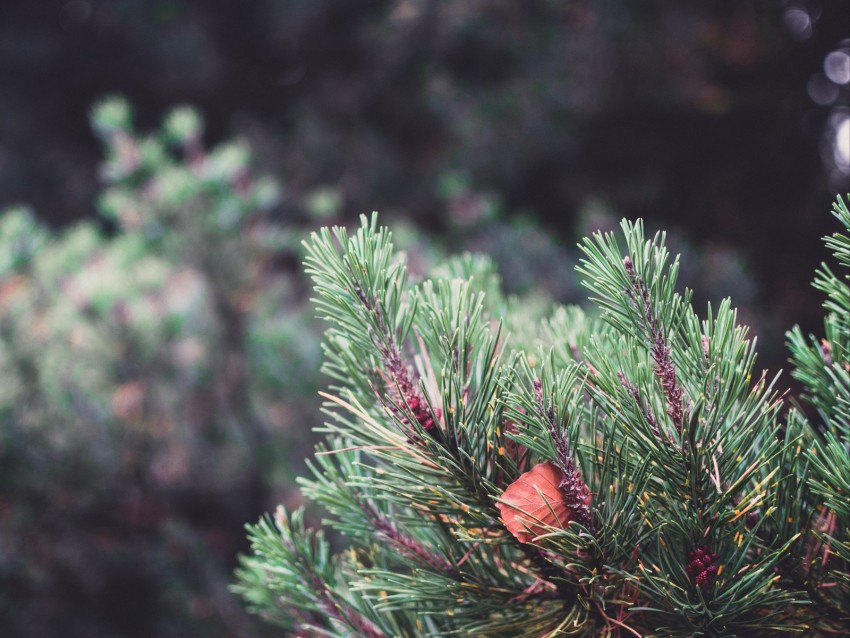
{"points": [[158, 382]]}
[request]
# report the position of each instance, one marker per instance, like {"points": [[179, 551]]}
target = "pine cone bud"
{"points": [[702, 567], [577, 495], [420, 411]]}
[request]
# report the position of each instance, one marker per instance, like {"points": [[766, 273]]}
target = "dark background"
{"points": [[693, 115], [712, 119]]}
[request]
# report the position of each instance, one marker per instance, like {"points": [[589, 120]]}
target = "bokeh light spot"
{"points": [[842, 145], [799, 22], [821, 90], [836, 65]]}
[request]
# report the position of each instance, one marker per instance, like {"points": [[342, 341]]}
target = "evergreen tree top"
{"points": [[497, 471]]}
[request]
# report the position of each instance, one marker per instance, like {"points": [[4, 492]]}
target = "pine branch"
{"points": [[714, 456], [665, 371], [823, 366], [497, 474]]}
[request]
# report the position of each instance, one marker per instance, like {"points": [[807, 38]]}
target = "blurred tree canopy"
{"points": [[688, 114]]}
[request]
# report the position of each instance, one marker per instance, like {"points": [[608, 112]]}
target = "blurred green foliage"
{"points": [[157, 383]]}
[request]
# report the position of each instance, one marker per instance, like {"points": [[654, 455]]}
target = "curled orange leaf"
{"points": [[534, 502]]}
